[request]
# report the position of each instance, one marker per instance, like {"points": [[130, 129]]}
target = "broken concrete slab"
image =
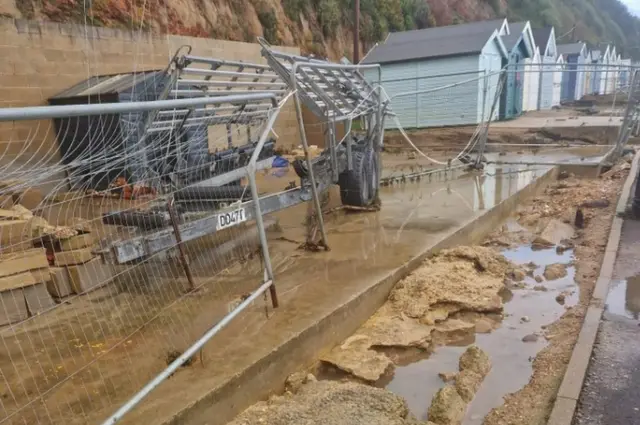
{"points": [[467, 384], [453, 330], [355, 357], [438, 313], [484, 326], [539, 244], [330, 403], [460, 279], [557, 231], [396, 331], [447, 376]]}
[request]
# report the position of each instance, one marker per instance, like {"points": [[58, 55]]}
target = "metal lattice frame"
{"points": [[336, 93]]}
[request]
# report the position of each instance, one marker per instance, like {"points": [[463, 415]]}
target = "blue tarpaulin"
{"points": [[280, 162]]}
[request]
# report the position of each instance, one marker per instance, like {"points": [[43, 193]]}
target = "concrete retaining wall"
{"points": [[267, 376]]}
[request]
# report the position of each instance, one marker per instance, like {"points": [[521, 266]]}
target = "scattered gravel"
{"points": [[330, 403]]}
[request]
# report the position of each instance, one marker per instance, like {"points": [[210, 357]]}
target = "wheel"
{"points": [[359, 186], [374, 178]]}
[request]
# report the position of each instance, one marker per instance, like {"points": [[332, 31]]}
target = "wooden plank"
{"points": [[29, 198], [13, 307], [90, 275], [10, 215], [76, 242], [37, 298], [6, 201], [12, 231], [60, 284], [41, 275], [12, 264], [77, 256], [17, 281], [16, 247]]}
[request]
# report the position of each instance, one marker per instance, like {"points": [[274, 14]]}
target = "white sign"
{"points": [[231, 219]]}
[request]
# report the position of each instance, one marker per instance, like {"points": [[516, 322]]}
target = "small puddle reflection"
{"points": [[526, 311], [624, 298]]}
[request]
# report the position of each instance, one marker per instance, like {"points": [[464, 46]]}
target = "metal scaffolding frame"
{"points": [[336, 93]]}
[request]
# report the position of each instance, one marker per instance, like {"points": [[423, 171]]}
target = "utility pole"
{"points": [[356, 33]]}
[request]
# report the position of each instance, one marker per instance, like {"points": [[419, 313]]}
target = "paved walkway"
{"points": [[611, 393], [555, 122]]}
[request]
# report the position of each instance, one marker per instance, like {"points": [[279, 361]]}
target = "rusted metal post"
{"points": [[356, 33], [183, 255]]}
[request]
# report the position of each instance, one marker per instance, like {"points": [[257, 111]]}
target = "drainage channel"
{"points": [[429, 339], [511, 340]]}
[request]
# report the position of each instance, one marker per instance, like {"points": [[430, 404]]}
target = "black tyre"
{"points": [[359, 187], [374, 178]]}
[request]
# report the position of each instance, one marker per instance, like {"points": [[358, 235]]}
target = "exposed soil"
{"points": [[450, 140]]}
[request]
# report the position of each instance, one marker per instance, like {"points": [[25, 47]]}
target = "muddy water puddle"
{"points": [[624, 298], [528, 309]]}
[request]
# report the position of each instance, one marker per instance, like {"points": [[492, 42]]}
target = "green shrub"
{"points": [[267, 17], [329, 14], [293, 8]]}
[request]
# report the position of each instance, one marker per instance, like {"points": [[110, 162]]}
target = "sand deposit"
{"points": [[450, 403], [330, 403], [417, 315]]}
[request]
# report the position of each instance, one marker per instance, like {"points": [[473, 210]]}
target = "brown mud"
{"points": [[460, 293], [532, 404], [421, 308]]}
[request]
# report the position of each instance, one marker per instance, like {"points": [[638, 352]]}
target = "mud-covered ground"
{"points": [[532, 405], [454, 294], [431, 307]]}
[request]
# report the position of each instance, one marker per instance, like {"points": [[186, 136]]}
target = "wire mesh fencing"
{"points": [[449, 119], [123, 247], [542, 107], [127, 232], [139, 233]]}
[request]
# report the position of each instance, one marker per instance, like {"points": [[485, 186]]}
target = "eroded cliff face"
{"points": [[321, 27]]}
